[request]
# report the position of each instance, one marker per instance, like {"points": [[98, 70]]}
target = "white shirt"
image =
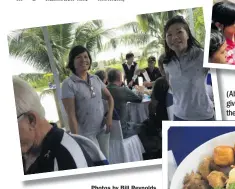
{"points": [[129, 67]]}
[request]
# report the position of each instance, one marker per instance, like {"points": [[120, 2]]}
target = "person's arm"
{"points": [[135, 76], [109, 98], [68, 99], [148, 84], [130, 96], [124, 73], [69, 105], [136, 69], [167, 76]]}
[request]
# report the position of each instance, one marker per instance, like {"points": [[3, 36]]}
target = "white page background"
{"points": [[28, 13]]}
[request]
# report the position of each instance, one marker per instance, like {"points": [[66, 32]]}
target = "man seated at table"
{"points": [[151, 73], [44, 146], [121, 96]]}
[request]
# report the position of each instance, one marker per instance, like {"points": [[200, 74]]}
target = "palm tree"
{"points": [[147, 31], [29, 45]]}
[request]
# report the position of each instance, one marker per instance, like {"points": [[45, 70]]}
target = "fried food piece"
{"points": [[222, 169], [204, 168], [223, 155], [217, 179], [231, 177], [194, 181], [191, 176]]}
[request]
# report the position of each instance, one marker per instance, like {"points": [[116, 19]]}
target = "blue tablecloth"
{"points": [[183, 140]]}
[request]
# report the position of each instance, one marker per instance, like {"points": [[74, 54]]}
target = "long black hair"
{"points": [[217, 39], [192, 42], [223, 13], [73, 53]]}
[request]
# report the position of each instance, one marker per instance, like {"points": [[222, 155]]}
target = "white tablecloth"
{"points": [[138, 112]]}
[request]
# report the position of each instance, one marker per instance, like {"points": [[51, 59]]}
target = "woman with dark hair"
{"points": [[223, 19], [82, 99], [217, 51], [183, 65]]}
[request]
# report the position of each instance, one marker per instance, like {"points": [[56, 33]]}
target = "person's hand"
{"points": [[139, 89], [130, 84], [147, 84], [148, 92], [139, 71], [108, 124]]}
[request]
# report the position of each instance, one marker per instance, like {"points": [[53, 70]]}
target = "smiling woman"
{"points": [[183, 65], [82, 98]]}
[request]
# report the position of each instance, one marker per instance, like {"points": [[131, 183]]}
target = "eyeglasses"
{"points": [[93, 95], [18, 117]]}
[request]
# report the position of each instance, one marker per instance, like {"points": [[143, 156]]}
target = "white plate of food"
{"points": [[208, 166]]}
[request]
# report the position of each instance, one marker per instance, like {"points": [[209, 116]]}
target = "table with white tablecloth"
{"points": [[138, 112]]}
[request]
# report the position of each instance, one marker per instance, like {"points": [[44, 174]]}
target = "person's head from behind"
{"points": [[30, 116], [178, 37], [160, 64], [129, 57], [223, 17], [151, 62], [79, 59], [102, 75], [217, 51], [115, 77]]}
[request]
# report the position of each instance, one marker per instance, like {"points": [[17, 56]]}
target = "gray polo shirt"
{"points": [[89, 107], [187, 81]]}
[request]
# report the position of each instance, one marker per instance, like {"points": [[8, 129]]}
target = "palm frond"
{"points": [[153, 46], [130, 27], [46, 92], [31, 76]]}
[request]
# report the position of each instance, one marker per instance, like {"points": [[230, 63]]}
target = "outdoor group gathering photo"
{"points": [[95, 93]]}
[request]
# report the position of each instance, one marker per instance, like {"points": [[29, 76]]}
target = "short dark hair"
{"points": [[129, 55], [217, 39], [192, 42], [73, 53], [151, 58], [100, 74], [113, 75], [224, 13]]}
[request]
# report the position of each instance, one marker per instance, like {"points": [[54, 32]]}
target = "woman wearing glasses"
{"points": [[82, 98]]}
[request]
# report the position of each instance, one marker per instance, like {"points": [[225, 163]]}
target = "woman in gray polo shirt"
{"points": [[183, 65], [82, 98]]}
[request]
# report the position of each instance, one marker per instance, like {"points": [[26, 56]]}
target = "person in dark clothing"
{"points": [[44, 146], [151, 73], [157, 107], [151, 134], [129, 70]]}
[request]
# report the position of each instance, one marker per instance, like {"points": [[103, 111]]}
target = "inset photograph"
{"points": [[222, 35], [201, 157]]}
